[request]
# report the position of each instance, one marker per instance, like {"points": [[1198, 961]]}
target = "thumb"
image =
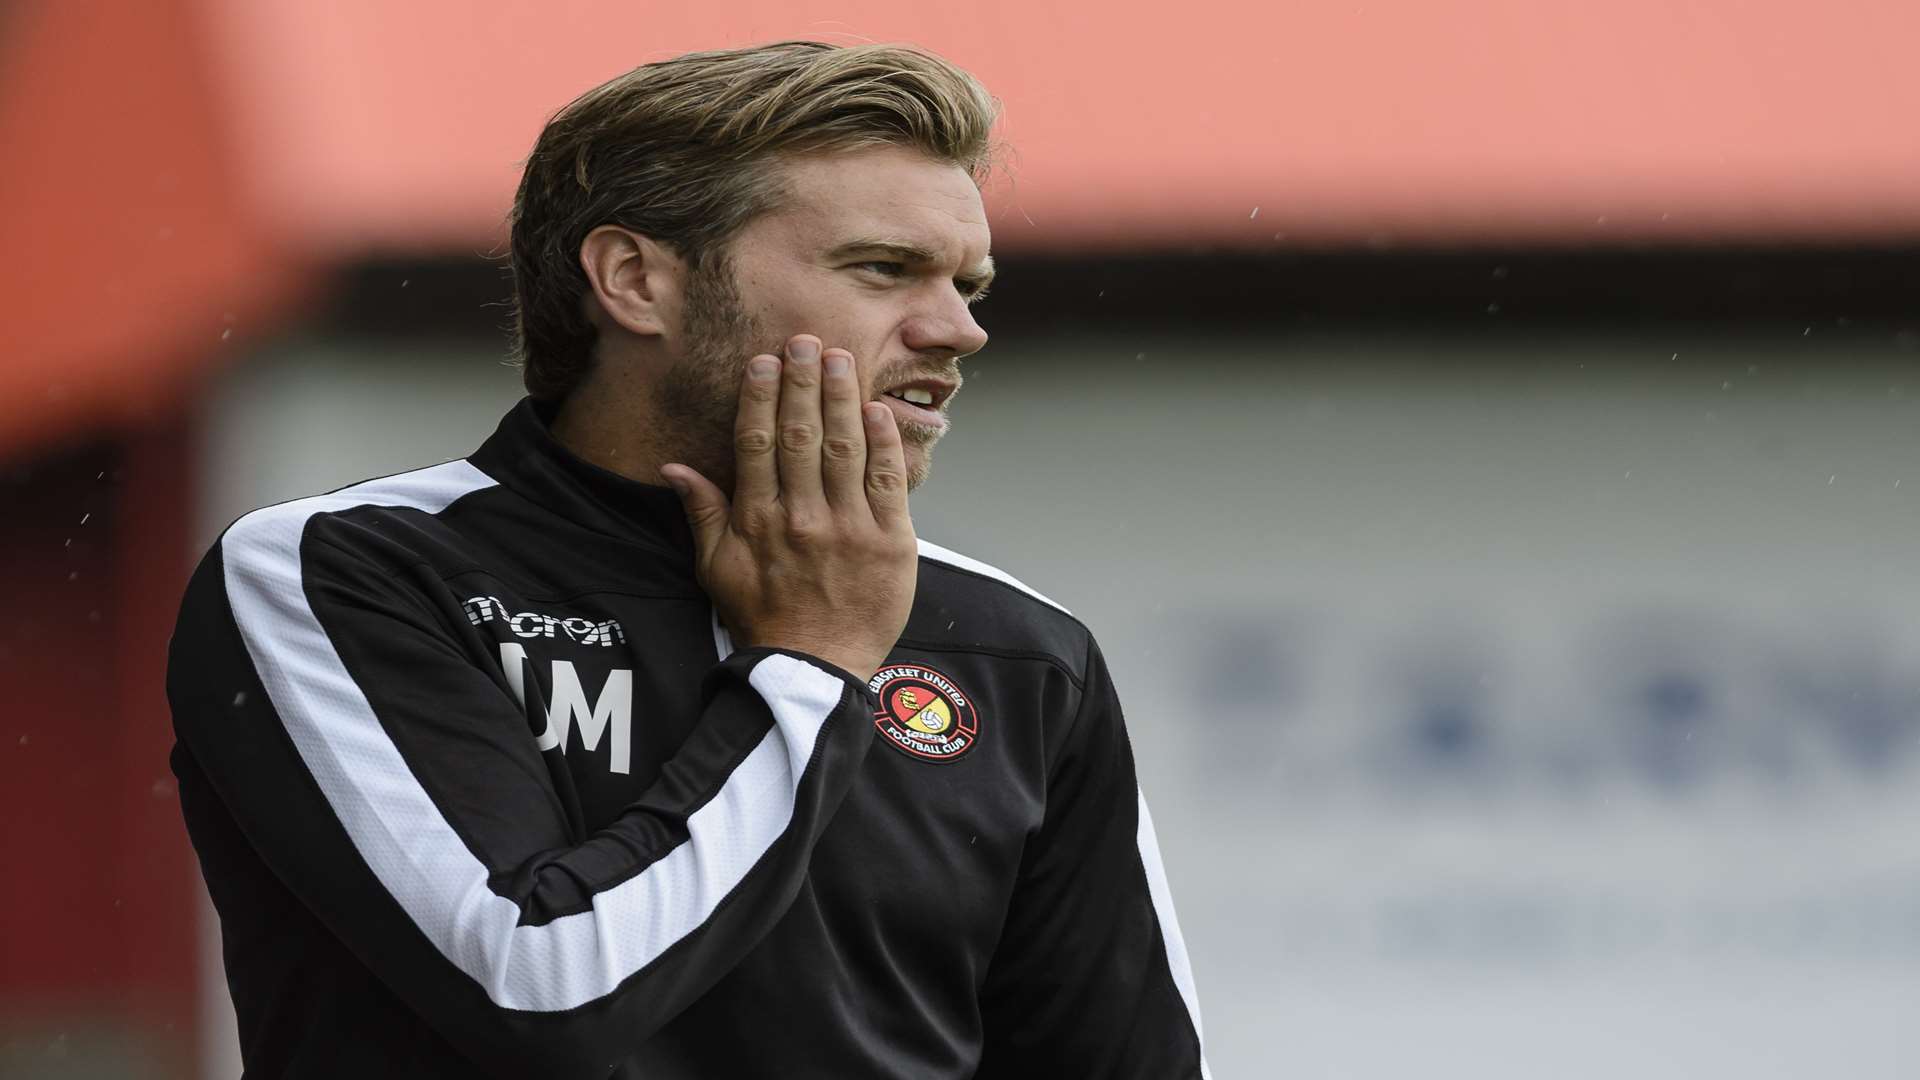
{"points": [[705, 504]]}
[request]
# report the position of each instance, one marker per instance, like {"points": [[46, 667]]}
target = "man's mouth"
{"points": [[919, 402]]}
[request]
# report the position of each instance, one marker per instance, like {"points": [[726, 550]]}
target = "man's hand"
{"points": [[815, 552]]}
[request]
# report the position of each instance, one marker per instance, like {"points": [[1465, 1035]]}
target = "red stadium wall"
{"points": [[133, 266], [133, 263], [97, 956]]}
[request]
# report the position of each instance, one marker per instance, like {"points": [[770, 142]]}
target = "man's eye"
{"points": [[890, 269]]}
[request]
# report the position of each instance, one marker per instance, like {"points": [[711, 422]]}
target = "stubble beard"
{"points": [[700, 394]]}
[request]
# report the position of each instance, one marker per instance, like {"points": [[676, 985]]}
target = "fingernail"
{"points": [[875, 413], [678, 485], [805, 350], [836, 363], [763, 367]]}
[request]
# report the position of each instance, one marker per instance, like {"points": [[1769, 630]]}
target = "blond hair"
{"points": [[680, 150]]}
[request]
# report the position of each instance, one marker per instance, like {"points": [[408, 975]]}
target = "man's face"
{"points": [[876, 252]]}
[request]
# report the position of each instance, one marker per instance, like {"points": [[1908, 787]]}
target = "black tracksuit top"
{"points": [[480, 788]]}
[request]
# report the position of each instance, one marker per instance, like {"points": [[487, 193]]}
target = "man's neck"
{"points": [[626, 437], [615, 439]]}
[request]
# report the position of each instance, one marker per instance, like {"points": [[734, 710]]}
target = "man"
{"points": [[525, 765]]}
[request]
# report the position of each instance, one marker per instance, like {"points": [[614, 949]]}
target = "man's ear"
{"points": [[636, 281]]}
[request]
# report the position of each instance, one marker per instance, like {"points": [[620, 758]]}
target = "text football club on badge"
{"points": [[923, 713]]}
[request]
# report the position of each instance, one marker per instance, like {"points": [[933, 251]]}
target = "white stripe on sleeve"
{"points": [[1169, 924], [409, 845]]}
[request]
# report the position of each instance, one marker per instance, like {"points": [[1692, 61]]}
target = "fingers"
{"points": [[886, 467], [799, 428], [843, 447], [756, 480], [802, 440], [704, 502]]}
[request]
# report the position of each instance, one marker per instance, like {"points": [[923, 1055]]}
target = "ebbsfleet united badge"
{"points": [[923, 713]]}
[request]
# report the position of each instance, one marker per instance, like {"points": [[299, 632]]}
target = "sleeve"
{"points": [[1090, 977], [393, 786]]}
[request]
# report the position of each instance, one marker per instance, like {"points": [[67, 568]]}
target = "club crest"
{"points": [[923, 714]]}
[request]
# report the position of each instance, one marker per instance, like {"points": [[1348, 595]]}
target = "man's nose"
{"points": [[950, 328]]}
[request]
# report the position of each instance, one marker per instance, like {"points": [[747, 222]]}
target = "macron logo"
{"points": [[532, 624]]}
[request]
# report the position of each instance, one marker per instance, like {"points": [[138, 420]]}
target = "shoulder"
{"points": [[969, 602], [947, 557], [257, 579], [272, 536]]}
